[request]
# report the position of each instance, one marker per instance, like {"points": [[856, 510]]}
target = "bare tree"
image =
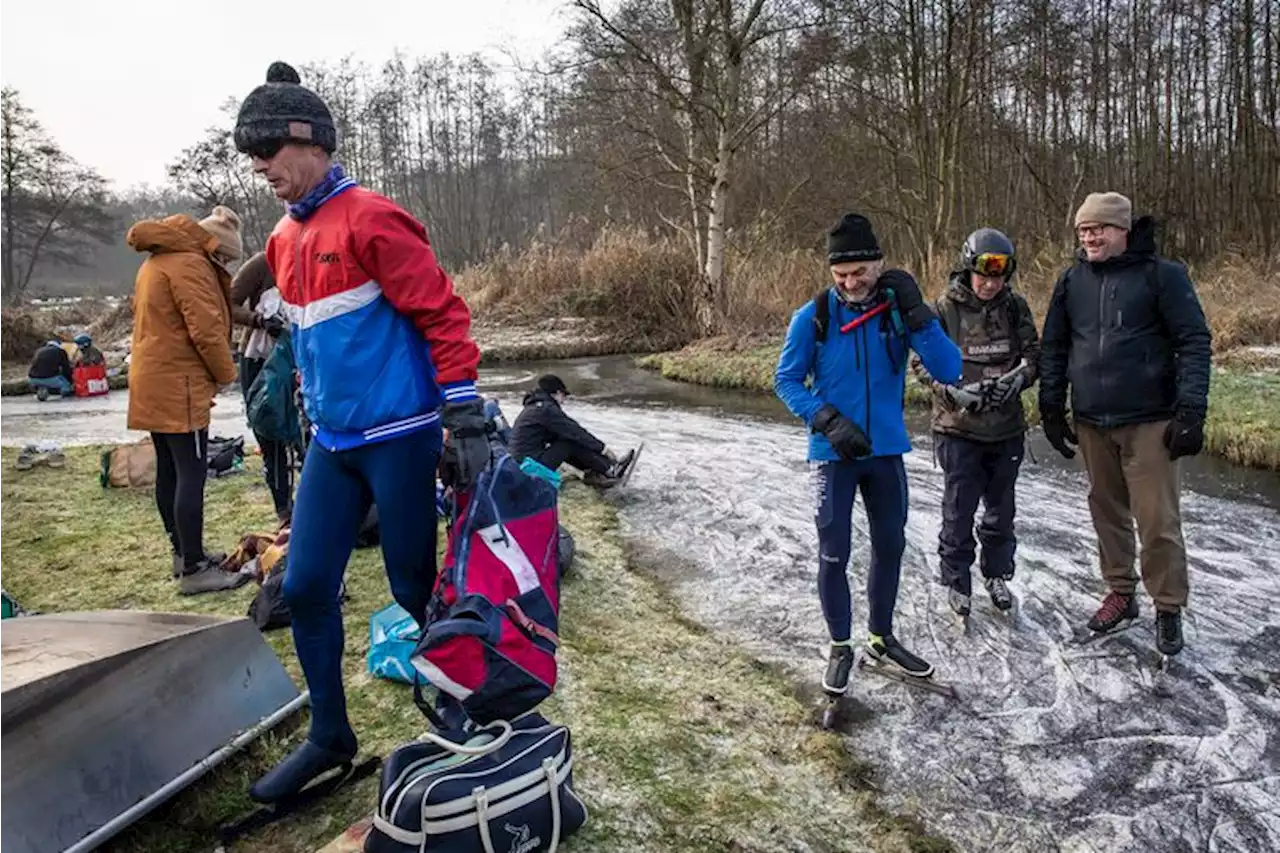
{"points": [[54, 208]]}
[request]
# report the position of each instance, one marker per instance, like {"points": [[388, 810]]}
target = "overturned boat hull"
{"points": [[102, 712]]}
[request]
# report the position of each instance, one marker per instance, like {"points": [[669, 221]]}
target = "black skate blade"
{"points": [[631, 466], [314, 792], [1087, 637], [867, 664]]}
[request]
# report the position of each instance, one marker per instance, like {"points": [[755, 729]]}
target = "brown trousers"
{"points": [[1131, 477]]}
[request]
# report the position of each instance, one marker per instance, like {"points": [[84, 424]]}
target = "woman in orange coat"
{"points": [[181, 354]]}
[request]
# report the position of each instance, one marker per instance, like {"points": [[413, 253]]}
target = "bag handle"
{"points": [[484, 749], [553, 790]]}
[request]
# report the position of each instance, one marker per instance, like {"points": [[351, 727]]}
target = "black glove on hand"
{"points": [[845, 436], [906, 293], [1184, 436], [465, 423], [1058, 431], [273, 326]]}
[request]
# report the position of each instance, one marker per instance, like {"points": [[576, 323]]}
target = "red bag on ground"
{"points": [[90, 380]]}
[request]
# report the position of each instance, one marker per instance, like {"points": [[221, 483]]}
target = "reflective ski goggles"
{"points": [[992, 265]]}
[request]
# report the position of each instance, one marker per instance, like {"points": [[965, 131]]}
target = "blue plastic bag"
{"points": [[393, 635]]}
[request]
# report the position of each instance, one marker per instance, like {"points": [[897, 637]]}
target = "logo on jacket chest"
{"points": [[327, 258], [986, 349]]}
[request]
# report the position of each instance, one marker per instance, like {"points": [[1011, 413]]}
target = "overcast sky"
{"points": [[125, 85]]}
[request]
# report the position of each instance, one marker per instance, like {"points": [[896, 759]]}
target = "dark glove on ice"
{"points": [[465, 423], [906, 293], [1058, 431], [845, 436], [1184, 436]]}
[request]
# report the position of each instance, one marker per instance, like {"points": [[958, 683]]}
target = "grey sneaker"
{"points": [[179, 565], [207, 577]]}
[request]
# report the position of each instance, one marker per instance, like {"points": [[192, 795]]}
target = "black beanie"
{"points": [[282, 110], [552, 384], [852, 240]]}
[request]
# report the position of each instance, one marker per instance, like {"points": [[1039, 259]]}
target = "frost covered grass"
{"points": [[683, 743]]}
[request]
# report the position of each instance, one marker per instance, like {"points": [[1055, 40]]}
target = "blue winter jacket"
{"points": [[861, 372]]}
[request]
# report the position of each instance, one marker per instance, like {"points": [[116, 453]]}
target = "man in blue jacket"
{"points": [[853, 342]]}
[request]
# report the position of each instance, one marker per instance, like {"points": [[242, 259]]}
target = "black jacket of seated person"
{"points": [[544, 432]]}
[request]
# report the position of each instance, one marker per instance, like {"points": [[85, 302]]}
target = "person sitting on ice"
{"points": [[543, 432], [87, 355], [51, 371]]}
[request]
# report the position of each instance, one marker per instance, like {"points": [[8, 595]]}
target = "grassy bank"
{"points": [[682, 743], [1243, 425]]}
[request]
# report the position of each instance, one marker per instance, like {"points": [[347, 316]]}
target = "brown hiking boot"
{"points": [[1116, 609]]}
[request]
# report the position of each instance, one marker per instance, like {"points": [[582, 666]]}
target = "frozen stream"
{"points": [[1049, 748]]}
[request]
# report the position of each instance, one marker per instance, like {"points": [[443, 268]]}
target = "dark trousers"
{"points": [[334, 496], [275, 454], [883, 483], [562, 450], [976, 472], [181, 468]]}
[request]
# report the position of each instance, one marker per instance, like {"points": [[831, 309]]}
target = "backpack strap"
{"points": [[822, 315]]}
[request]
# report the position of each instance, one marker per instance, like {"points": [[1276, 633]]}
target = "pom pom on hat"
{"points": [[282, 72]]}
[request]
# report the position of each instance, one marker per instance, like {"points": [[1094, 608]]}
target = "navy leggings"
{"points": [[883, 483], [334, 495]]}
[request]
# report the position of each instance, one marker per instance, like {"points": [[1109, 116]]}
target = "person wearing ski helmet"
{"points": [[386, 357], [980, 443], [842, 371]]}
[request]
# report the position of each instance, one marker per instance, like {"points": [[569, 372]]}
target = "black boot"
{"points": [[299, 769], [890, 652], [959, 601], [1115, 610], [1169, 632], [999, 592], [839, 663]]}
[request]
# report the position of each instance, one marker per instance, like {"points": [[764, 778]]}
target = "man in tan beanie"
{"points": [[1125, 330]]}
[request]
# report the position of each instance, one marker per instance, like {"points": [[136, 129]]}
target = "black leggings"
{"points": [[181, 468]]}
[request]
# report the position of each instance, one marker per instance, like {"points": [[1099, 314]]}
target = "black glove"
{"points": [[845, 436], [1184, 436], [907, 296], [273, 326], [1058, 431], [465, 423]]}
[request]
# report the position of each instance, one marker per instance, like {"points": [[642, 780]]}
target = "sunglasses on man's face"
{"points": [[265, 150]]}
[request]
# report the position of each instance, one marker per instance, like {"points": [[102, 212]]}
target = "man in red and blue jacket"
{"points": [[384, 350]]}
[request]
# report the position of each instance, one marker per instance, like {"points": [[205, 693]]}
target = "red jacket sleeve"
{"points": [[392, 248]]}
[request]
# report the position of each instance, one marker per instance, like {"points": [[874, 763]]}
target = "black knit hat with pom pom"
{"points": [[283, 110]]}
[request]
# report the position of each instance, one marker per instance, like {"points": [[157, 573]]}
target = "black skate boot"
{"points": [[1169, 632], [836, 679], [1116, 612], [959, 601], [999, 592], [889, 652]]}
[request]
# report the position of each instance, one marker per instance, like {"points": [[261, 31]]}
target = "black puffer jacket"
{"points": [[1128, 334], [542, 422]]}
